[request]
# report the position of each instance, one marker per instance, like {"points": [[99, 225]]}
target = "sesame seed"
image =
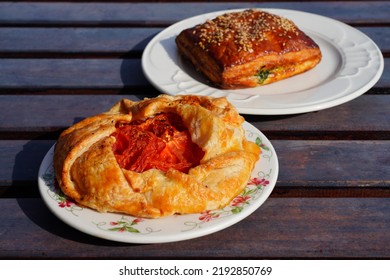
{"points": [[246, 28]]}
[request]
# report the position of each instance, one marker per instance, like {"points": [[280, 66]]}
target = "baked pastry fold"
{"points": [[247, 49], [88, 171]]}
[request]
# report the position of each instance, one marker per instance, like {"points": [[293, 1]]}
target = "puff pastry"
{"points": [[248, 48], [91, 165]]}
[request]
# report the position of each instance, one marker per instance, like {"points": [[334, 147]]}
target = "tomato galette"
{"points": [[156, 157]]}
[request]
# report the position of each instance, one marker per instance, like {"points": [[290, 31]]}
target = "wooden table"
{"points": [[63, 61]]}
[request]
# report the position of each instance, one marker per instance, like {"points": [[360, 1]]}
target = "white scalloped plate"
{"points": [[351, 65], [124, 228]]}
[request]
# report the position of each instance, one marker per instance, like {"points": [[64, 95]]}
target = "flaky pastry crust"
{"points": [[88, 172], [248, 49]]}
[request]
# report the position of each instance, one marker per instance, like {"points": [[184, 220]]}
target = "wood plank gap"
{"points": [[51, 133], [87, 55], [332, 191], [132, 90], [29, 189], [21, 189], [38, 134], [142, 24], [327, 135], [88, 24], [70, 55], [179, 1]]}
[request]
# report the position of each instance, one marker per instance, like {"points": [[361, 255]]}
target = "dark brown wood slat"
{"points": [[375, 34], [104, 42], [115, 42], [346, 121], [309, 164], [20, 162], [44, 116], [333, 163], [75, 73], [87, 73], [163, 14], [281, 228], [332, 195]]}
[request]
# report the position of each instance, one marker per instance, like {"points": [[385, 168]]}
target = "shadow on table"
{"points": [[131, 71], [27, 163]]}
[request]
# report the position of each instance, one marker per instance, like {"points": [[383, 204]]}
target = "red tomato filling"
{"points": [[162, 142]]}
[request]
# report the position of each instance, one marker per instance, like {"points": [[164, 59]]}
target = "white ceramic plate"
{"points": [[350, 66], [124, 228]]}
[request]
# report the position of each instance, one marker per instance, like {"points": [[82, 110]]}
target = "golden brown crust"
{"points": [[248, 48], [88, 172]]}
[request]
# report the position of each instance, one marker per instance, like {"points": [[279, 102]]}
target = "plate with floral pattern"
{"points": [[129, 229]]}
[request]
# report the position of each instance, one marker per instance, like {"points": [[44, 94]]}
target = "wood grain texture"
{"points": [[281, 228], [61, 62], [346, 121], [164, 14], [308, 164], [90, 73], [114, 42], [105, 42]]}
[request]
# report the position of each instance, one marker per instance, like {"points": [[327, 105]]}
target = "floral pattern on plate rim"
{"points": [[129, 224]]}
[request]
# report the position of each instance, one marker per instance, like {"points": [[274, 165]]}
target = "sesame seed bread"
{"points": [[248, 49]]}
